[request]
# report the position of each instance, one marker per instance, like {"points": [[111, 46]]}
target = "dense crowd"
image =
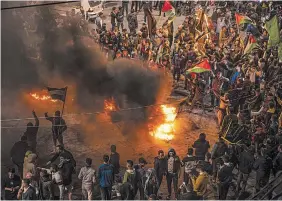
{"points": [[243, 85]]}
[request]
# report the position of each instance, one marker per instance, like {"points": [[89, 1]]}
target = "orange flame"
{"points": [[37, 96], [109, 105], [166, 129]]}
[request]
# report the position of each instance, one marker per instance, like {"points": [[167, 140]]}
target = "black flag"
{"points": [[58, 94]]}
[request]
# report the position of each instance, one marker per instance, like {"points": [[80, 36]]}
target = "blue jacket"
{"points": [[106, 175]]}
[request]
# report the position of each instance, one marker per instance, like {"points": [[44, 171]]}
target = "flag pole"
{"points": [[64, 103]]}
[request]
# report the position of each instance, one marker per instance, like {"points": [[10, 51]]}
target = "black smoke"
{"points": [[18, 69], [88, 68]]}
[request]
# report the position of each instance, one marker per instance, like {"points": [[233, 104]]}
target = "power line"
{"points": [[126, 120], [37, 5], [102, 112]]}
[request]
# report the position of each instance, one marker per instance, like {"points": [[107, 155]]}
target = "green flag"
{"points": [[273, 30]]}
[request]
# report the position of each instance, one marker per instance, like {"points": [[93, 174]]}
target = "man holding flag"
{"points": [[199, 83], [58, 123]]}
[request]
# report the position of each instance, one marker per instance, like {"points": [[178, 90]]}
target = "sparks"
{"points": [[109, 105], [166, 129]]}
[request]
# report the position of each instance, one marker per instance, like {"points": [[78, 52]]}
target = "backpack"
{"points": [[131, 179], [189, 165]]}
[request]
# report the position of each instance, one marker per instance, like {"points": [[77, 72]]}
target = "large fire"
{"points": [[109, 105], [166, 129], [42, 97]]}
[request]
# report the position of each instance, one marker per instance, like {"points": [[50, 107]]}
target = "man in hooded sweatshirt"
{"points": [[18, 154], [201, 147], [200, 182], [173, 171], [31, 132], [130, 177]]}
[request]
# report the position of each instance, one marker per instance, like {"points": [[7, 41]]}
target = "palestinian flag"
{"points": [[200, 67], [58, 94], [252, 45], [272, 28], [170, 12], [167, 6], [241, 19]]}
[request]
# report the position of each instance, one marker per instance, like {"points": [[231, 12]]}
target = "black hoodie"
{"points": [[160, 166]]}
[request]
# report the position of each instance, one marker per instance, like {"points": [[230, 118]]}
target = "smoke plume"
{"points": [[88, 67]]}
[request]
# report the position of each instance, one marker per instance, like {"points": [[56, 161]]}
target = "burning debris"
{"points": [[110, 105], [41, 97], [165, 130]]}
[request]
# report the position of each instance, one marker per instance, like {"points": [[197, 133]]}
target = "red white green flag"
{"points": [[241, 19], [167, 6], [252, 45], [200, 67]]}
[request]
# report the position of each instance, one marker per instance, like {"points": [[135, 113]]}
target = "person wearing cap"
{"points": [[11, 185], [88, 176], [140, 173], [58, 127], [18, 152], [160, 166], [31, 132]]}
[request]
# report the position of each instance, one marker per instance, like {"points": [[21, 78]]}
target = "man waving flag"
{"points": [[200, 67]]}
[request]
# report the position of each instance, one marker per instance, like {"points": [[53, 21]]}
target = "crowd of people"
{"points": [[244, 86]]}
